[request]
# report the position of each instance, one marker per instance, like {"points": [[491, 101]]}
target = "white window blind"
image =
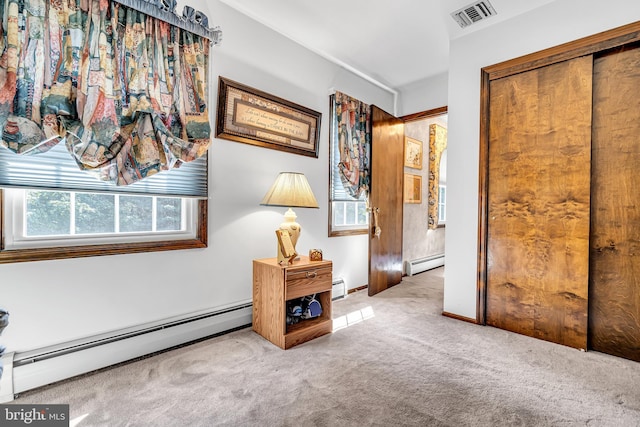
{"points": [[338, 193], [57, 170]]}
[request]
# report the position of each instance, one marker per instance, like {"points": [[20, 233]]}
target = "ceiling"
{"points": [[392, 43]]}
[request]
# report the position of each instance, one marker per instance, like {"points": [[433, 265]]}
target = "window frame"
{"points": [[16, 216], [66, 252], [346, 230], [442, 205]]}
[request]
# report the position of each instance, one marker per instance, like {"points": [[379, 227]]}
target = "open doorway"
{"points": [[425, 177]]}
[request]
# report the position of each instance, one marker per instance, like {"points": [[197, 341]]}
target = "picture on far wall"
{"points": [[254, 117], [412, 188], [412, 153]]}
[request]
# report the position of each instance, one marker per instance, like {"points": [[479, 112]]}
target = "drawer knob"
{"points": [[311, 274]]}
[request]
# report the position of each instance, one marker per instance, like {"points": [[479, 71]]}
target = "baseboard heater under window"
{"points": [[423, 264], [44, 366], [338, 289]]}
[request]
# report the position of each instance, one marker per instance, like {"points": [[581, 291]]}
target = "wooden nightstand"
{"points": [[274, 285]]}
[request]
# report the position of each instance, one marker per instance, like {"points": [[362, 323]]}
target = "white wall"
{"points": [[424, 95], [553, 24], [56, 301]]}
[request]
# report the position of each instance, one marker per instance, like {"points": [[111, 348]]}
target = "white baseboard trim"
{"points": [[35, 369]]}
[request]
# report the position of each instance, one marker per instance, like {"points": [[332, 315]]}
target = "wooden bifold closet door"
{"points": [[563, 203], [614, 315], [539, 201]]}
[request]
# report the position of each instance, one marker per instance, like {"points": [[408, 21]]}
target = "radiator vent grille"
{"points": [[473, 13]]}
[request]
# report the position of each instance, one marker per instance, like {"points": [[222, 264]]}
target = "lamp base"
{"points": [[291, 226]]}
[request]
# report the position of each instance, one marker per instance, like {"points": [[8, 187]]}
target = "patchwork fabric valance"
{"points": [[126, 92], [352, 129]]}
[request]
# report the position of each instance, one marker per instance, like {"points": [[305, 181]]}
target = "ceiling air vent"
{"points": [[473, 13]]}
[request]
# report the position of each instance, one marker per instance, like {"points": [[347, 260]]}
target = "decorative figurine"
{"points": [[315, 255]]}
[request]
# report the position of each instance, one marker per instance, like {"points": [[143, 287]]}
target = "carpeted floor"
{"points": [[396, 362]]}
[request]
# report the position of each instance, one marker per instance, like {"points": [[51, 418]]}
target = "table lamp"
{"points": [[290, 190]]}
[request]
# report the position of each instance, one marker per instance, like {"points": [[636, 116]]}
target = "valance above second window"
{"points": [[125, 92], [352, 130]]}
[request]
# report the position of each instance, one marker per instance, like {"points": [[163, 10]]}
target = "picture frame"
{"points": [[251, 116], [412, 153], [286, 251], [412, 188]]}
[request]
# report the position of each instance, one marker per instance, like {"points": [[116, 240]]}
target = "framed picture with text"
{"points": [[248, 115]]}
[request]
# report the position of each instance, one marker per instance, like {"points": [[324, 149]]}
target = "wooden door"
{"points": [[538, 202], [614, 298], [385, 201]]}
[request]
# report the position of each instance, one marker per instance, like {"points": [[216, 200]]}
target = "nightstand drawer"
{"points": [[307, 282]]}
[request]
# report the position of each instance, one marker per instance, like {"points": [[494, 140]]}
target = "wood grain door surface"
{"points": [[614, 316], [539, 202], [385, 198]]}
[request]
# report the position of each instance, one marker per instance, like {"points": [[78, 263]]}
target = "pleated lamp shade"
{"points": [[290, 190]]}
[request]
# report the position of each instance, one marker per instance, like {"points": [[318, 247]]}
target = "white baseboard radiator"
{"points": [[338, 289], [33, 369], [419, 265]]}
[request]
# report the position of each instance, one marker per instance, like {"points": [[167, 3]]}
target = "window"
{"points": [[157, 153], [51, 210], [119, 224], [347, 216], [442, 204], [41, 218]]}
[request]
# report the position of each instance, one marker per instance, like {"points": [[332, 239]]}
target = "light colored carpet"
{"points": [[407, 365]]}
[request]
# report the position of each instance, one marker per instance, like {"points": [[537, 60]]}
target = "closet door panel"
{"points": [[538, 202], [614, 317]]}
